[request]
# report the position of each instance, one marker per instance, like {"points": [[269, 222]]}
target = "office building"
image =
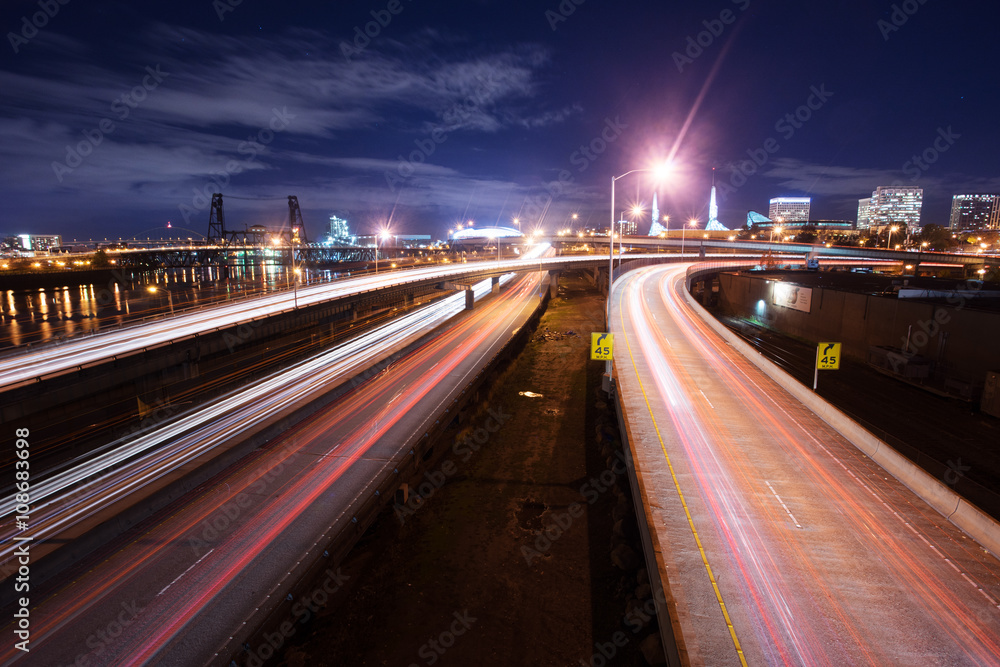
{"points": [[895, 205], [628, 227], [864, 206], [789, 209], [975, 212], [40, 242]]}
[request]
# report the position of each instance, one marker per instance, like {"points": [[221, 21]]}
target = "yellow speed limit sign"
{"points": [[601, 346], [828, 356], [827, 359]]}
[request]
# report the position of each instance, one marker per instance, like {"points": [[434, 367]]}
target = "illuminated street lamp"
{"points": [[492, 234], [660, 172], [888, 242], [170, 297], [384, 236]]}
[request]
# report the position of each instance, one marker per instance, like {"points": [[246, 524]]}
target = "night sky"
{"points": [[118, 117]]}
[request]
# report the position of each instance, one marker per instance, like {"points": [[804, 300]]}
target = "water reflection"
{"points": [[38, 315]]}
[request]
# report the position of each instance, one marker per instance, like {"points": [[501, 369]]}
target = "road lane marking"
{"points": [[782, 502], [865, 460], [184, 572], [706, 400], [680, 494]]}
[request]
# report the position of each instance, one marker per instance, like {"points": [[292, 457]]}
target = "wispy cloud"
{"points": [[347, 118], [834, 180]]}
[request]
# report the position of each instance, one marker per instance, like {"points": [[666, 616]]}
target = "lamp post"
{"points": [[888, 243], [295, 288], [611, 245], [496, 237], [383, 236], [170, 296], [692, 222], [770, 239]]}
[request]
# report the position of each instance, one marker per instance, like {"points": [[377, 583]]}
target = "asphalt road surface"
{"points": [[192, 581], [782, 543]]}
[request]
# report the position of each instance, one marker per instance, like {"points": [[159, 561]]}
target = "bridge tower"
{"points": [[297, 227], [216, 221]]}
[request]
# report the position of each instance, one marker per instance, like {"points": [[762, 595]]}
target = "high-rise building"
{"points": [[628, 227], [339, 232], [40, 242], [975, 212], [789, 209], [895, 205], [864, 207]]}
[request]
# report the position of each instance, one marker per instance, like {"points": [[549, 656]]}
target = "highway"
{"points": [[781, 542], [29, 364], [191, 581], [80, 490], [54, 358]]}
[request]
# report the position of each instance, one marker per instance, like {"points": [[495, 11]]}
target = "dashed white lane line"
{"points": [[792, 516], [183, 573]]}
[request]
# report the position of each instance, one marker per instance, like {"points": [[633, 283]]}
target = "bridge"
{"points": [[780, 528], [169, 255], [773, 537]]}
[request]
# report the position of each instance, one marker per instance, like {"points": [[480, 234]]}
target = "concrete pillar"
{"points": [[407, 299], [553, 284], [495, 285], [470, 299]]}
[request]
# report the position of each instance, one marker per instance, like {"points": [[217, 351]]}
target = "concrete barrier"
{"points": [[974, 522]]}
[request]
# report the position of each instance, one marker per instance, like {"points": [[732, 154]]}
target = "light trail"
{"points": [[93, 482], [864, 573], [57, 357], [193, 597]]}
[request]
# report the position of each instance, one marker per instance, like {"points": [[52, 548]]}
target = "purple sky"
{"points": [[483, 110]]}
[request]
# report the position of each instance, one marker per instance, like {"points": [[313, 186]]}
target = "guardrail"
{"points": [[966, 516]]}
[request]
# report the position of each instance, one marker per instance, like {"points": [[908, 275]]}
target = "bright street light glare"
{"points": [[663, 170]]}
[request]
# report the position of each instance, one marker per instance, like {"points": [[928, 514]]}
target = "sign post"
{"points": [[827, 359], [601, 346]]}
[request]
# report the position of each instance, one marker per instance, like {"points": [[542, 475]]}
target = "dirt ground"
{"points": [[470, 576]]}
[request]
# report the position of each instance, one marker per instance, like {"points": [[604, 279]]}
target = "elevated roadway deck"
{"points": [[776, 539]]}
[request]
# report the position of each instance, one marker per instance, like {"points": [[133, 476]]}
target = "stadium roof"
{"points": [[479, 233]]}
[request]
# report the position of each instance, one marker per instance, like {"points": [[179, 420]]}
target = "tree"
{"points": [[806, 235], [936, 237], [100, 260]]}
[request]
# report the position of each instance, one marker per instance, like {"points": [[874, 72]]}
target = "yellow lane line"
{"points": [[680, 494]]}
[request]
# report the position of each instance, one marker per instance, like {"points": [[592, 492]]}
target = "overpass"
{"points": [[31, 365], [782, 532], [692, 642], [174, 254], [695, 244]]}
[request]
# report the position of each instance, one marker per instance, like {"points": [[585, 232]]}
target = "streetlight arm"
{"points": [[615, 178]]}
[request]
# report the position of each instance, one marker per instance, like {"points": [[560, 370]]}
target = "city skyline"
{"points": [[116, 119]]}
